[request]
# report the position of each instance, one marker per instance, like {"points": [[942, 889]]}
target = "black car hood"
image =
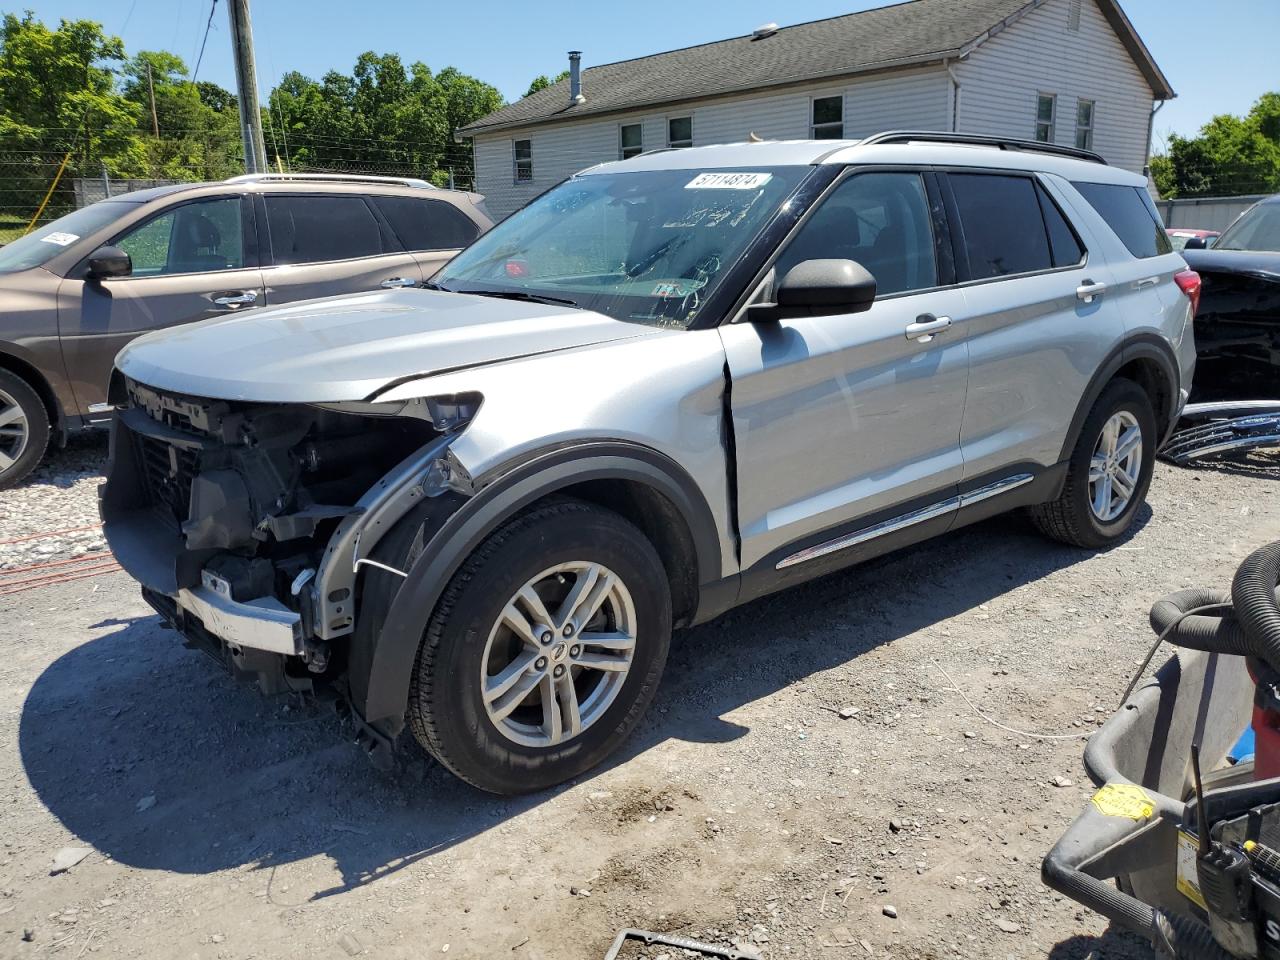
{"points": [[1258, 263]]}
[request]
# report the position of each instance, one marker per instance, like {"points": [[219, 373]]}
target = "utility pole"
{"points": [[151, 89], [255, 152]]}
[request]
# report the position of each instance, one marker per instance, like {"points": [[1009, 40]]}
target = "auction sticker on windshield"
{"points": [[61, 239], [728, 181]]}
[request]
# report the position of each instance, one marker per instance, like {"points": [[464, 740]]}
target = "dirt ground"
{"points": [[746, 809]]}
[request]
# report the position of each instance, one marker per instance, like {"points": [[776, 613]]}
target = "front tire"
{"points": [[1108, 474], [24, 429], [544, 651]]}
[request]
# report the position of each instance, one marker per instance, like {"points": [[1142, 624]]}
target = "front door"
{"points": [[326, 244], [851, 422], [191, 261]]}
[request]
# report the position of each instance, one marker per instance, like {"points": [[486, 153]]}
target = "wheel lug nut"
{"points": [[542, 663], [546, 637], [568, 629], [575, 651], [559, 671]]}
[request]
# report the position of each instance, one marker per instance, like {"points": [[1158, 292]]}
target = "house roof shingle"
{"points": [[879, 39]]}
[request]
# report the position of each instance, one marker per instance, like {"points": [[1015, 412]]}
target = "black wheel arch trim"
{"points": [[1140, 346], [381, 697]]}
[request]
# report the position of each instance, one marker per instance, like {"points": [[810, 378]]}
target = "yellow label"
{"points": [[1188, 878], [1124, 800]]}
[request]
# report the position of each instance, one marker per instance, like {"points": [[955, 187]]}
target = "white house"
{"points": [[1073, 72]]}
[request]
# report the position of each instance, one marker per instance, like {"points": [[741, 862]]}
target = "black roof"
{"points": [[917, 31]]}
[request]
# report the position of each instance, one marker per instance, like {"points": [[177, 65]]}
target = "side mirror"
{"points": [[1196, 243], [109, 262], [819, 288]]}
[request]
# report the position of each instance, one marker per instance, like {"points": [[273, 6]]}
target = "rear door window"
{"points": [[1001, 223], [314, 229], [1130, 212], [427, 224]]}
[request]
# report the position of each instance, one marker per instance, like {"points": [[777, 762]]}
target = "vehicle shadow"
{"points": [[148, 752], [1112, 945]]}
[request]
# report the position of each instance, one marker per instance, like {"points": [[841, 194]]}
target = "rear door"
{"points": [[326, 244], [193, 260], [432, 230], [1038, 320]]}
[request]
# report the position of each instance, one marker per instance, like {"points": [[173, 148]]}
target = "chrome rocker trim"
{"points": [[895, 524]]}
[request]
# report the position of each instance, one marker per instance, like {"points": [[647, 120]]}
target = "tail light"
{"points": [[1188, 282]]}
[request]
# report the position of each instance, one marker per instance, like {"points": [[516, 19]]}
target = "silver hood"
{"points": [[350, 347]]}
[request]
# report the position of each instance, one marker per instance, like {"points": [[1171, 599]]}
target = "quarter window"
{"points": [[315, 229], [1130, 212], [197, 237], [828, 118], [427, 224], [630, 140], [1064, 245], [1004, 231], [522, 160], [882, 221], [680, 132], [1084, 125], [1046, 117]]}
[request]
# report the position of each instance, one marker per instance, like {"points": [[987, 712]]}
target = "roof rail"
{"points": [[976, 139], [333, 178]]}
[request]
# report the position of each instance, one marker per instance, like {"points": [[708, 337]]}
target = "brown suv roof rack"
{"points": [[979, 140]]}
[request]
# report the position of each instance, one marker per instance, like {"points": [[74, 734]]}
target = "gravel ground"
{"points": [[62, 494], [748, 808]]}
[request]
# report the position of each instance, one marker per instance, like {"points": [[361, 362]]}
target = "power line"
{"points": [[208, 24]]}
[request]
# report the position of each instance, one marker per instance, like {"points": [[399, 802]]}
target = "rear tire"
{"points": [[510, 691], [1107, 478], [24, 429]]}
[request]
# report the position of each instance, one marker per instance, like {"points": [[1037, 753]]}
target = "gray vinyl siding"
{"points": [[907, 100], [1039, 54]]}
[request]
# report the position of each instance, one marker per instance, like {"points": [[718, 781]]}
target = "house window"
{"points": [[1046, 112], [680, 132], [1084, 125], [630, 140], [1073, 16], [522, 159], [828, 118]]}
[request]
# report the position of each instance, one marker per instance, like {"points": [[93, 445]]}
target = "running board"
{"points": [[1219, 428], [941, 509]]}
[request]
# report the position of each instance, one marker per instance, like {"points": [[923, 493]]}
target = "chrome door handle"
{"points": [[237, 300], [1147, 282], [926, 327], [1088, 290], [394, 282]]}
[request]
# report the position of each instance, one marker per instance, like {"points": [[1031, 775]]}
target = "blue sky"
{"points": [[1218, 54]]}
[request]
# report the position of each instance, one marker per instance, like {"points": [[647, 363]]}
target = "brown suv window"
{"points": [[312, 229], [427, 224], [196, 237]]}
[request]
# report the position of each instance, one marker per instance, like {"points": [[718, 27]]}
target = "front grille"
{"points": [[167, 473]]}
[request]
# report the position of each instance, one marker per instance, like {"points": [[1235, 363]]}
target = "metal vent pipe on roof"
{"points": [[764, 30], [575, 76]]}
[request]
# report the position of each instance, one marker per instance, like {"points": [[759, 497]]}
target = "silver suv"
{"points": [[664, 388]]}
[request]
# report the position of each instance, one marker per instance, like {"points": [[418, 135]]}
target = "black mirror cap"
{"points": [[823, 287], [1195, 243], [109, 262]]}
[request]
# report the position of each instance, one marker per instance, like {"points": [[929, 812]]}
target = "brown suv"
{"points": [[77, 290]]}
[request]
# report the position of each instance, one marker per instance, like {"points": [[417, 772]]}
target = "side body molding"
{"points": [[381, 696]]}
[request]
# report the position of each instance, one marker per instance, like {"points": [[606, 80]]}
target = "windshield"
{"points": [[50, 239], [1257, 229], [647, 247]]}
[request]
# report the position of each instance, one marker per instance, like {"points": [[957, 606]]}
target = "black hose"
{"points": [[1198, 631], [1254, 594], [1171, 934]]}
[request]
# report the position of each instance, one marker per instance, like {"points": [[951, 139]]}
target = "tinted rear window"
{"points": [[1004, 230], [313, 229], [1063, 242], [1130, 212], [427, 224]]}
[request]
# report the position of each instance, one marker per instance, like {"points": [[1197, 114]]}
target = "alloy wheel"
{"points": [[1116, 466], [559, 654], [14, 431]]}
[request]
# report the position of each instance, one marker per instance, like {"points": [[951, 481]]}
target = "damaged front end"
{"points": [[247, 524]]}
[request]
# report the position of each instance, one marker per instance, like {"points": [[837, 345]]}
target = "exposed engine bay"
{"points": [[243, 521]]}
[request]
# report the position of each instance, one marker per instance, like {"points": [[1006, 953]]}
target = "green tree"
{"points": [[1231, 155], [542, 81]]}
